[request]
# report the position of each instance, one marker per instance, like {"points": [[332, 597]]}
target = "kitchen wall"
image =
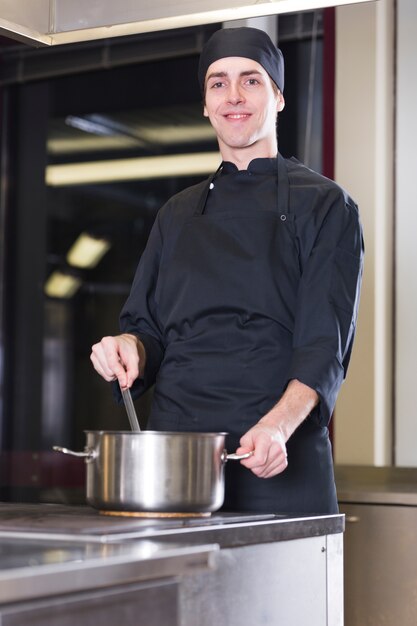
{"points": [[376, 134], [406, 229], [364, 165]]}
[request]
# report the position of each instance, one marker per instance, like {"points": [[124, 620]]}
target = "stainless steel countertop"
{"points": [[48, 550], [376, 485], [54, 521]]}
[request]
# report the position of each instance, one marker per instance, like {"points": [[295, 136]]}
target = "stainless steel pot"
{"points": [[155, 471]]}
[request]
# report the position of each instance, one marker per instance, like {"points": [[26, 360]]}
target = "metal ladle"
{"points": [[130, 409]]}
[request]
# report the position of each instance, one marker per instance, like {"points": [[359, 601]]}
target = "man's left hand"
{"points": [[268, 437], [269, 456]]}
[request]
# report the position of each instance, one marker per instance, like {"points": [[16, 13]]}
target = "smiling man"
{"points": [[242, 312]]}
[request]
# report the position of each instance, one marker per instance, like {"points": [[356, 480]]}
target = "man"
{"points": [[243, 307]]}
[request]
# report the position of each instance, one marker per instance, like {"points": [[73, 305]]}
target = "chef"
{"points": [[242, 312]]}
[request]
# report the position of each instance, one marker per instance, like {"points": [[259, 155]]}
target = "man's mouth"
{"points": [[237, 116]]}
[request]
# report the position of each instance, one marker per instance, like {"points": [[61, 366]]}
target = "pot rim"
{"points": [[175, 433]]}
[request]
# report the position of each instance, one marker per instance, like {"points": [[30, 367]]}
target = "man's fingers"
{"points": [[272, 469], [269, 456], [275, 459], [261, 445], [100, 363], [116, 358]]}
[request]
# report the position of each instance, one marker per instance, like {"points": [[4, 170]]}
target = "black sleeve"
{"points": [[139, 316], [327, 306]]}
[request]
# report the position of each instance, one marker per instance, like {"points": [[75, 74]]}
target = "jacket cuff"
{"points": [[321, 371]]}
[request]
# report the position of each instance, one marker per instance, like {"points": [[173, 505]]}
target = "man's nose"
{"points": [[235, 94]]}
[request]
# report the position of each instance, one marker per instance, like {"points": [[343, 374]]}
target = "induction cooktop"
{"points": [[83, 522]]}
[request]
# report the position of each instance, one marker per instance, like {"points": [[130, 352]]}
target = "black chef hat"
{"points": [[250, 43]]}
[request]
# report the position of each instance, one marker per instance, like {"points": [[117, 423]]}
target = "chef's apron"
{"points": [[225, 298]]}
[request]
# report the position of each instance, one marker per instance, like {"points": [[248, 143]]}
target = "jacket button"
{"points": [[283, 218]]}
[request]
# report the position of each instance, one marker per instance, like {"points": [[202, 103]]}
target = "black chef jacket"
{"points": [[249, 280]]}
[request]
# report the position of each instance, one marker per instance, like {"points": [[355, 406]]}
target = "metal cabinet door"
{"points": [[152, 604], [275, 584], [380, 565]]}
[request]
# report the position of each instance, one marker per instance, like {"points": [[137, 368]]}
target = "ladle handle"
{"points": [[130, 409]]}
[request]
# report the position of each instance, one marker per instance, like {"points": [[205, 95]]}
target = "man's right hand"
{"points": [[119, 358]]}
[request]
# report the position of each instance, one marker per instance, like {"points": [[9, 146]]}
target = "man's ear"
{"points": [[280, 102], [205, 111]]}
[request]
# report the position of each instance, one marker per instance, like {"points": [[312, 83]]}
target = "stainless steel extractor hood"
{"points": [[52, 22]]}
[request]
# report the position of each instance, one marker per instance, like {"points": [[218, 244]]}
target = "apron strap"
{"points": [[201, 205], [283, 195]]}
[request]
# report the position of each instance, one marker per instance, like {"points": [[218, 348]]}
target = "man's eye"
{"points": [[217, 85], [253, 81]]}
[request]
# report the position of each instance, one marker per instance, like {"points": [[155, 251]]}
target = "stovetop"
{"points": [[85, 523]]}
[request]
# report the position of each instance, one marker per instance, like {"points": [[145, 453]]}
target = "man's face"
{"points": [[242, 104]]}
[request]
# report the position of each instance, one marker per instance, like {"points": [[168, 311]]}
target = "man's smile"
{"points": [[237, 116]]}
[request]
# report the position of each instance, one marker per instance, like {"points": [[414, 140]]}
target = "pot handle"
{"points": [[235, 457], [88, 454]]}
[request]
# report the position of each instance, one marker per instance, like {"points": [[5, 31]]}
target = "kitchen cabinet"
{"points": [[62, 565], [380, 545], [283, 583], [132, 605]]}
